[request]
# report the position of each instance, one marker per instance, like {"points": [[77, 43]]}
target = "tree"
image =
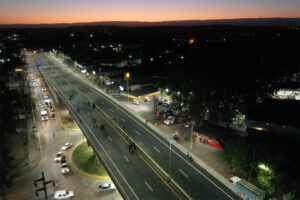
{"points": [[235, 154]]}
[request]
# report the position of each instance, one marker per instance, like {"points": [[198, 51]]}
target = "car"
{"points": [[59, 156], [167, 121], [117, 95], [37, 76], [48, 102], [53, 116], [52, 109], [64, 167], [43, 89], [63, 194], [159, 103], [66, 146], [46, 96], [41, 106], [106, 187], [188, 125]]}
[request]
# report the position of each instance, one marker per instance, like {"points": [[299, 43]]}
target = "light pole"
{"points": [[170, 158], [127, 91], [117, 111], [192, 137], [127, 77]]}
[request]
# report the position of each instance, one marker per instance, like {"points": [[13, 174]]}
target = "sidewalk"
{"points": [[204, 155]]}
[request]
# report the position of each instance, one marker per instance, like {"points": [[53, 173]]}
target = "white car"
{"points": [[64, 167], [66, 146], [63, 194], [41, 106], [58, 156], [106, 187], [188, 125], [44, 114], [43, 89], [46, 96]]}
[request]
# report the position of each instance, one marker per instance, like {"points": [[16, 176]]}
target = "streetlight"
{"points": [[192, 137], [170, 158], [127, 77]]}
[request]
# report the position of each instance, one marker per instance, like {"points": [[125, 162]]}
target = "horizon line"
{"points": [[57, 23]]}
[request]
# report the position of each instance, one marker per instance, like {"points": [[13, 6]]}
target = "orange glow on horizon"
{"points": [[85, 13]]}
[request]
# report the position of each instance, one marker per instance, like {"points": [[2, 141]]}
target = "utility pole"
{"points": [[192, 137], [44, 185]]}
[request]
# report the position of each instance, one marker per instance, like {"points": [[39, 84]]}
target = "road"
{"points": [[84, 188], [111, 144], [133, 176]]}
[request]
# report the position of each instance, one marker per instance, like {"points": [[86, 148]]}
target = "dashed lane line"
{"points": [[126, 158], [149, 186], [183, 173], [156, 149]]}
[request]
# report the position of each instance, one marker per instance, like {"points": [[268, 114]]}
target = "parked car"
{"points": [[53, 116], [66, 146], [59, 156], [63, 194], [169, 120], [188, 125], [46, 96], [64, 167], [41, 106], [106, 187], [43, 89]]}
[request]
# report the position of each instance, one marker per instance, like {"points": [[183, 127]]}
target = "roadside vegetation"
{"points": [[86, 160]]}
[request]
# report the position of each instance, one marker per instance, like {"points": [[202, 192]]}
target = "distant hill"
{"points": [[236, 22]]}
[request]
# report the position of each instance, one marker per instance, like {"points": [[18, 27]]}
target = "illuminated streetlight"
{"points": [[264, 167], [191, 41], [127, 77]]}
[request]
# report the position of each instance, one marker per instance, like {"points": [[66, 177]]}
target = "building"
{"points": [[276, 116]]}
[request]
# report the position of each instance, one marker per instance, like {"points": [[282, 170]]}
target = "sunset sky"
{"points": [[69, 11]]}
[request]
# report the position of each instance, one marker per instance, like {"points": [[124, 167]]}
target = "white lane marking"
{"points": [[123, 119], [109, 138], [138, 132], [156, 149], [138, 122], [95, 139], [183, 173], [149, 186], [126, 158], [111, 110], [184, 160]]}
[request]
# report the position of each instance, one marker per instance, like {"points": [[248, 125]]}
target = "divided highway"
{"points": [[133, 172]]}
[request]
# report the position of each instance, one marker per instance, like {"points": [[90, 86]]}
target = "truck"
{"points": [[247, 190], [44, 115]]}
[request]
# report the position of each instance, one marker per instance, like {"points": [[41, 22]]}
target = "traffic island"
{"points": [[87, 163]]}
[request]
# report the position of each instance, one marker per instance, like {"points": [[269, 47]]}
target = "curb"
{"points": [[70, 160]]}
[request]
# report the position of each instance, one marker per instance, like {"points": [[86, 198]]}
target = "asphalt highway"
{"points": [[23, 187], [135, 178]]}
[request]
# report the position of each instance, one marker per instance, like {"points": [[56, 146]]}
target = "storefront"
{"points": [[207, 140]]}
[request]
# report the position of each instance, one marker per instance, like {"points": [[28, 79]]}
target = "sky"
{"points": [[71, 11]]}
